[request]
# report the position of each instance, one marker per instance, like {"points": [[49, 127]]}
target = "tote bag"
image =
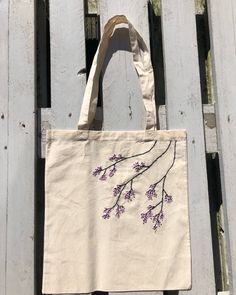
{"points": [[116, 208]]}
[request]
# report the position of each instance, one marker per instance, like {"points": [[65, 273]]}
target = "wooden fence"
{"points": [[46, 48]]}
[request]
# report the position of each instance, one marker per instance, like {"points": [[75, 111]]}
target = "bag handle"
{"points": [[143, 67]]}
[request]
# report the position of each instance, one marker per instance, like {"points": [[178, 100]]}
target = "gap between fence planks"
{"points": [[18, 143], [184, 109], [222, 15]]}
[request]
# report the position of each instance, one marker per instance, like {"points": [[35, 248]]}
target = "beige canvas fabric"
{"points": [[116, 208]]}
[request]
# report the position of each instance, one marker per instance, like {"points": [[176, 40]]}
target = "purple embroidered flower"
{"points": [[116, 157], [151, 192], [113, 158], [97, 171], [112, 171], [147, 215], [156, 225], [168, 198], [137, 166], [106, 213], [119, 210], [103, 177], [159, 216], [130, 195], [157, 220], [117, 190]]}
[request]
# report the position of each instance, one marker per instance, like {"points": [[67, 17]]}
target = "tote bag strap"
{"points": [[142, 63]]}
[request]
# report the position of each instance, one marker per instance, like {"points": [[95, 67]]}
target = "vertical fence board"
{"points": [[21, 150], [67, 43], [223, 39], [123, 107], [184, 110], [122, 98], [3, 140]]}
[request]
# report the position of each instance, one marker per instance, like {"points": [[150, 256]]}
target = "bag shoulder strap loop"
{"points": [[143, 67]]}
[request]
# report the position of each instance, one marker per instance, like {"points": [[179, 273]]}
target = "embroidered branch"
{"points": [[117, 159], [126, 191]]}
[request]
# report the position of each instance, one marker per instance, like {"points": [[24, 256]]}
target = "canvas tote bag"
{"points": [[116, 209]]}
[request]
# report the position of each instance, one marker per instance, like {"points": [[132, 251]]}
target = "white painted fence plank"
{"points": [[184, 110], [122, 98], [67, 59], [120, 79], [67, 41], [21, 149], [223, 40], [3, 139]]}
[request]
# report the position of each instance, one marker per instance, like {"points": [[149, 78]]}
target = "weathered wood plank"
{"points": [[21, 149], [3, 139], [184, 110], [222, 32], [67, 43], [120, 80], [122, 98], [67, 60]]}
